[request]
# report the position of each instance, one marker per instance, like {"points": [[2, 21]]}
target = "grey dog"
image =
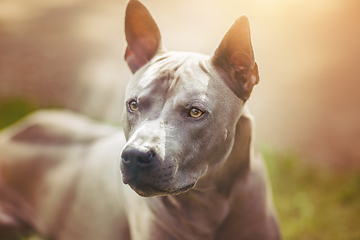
{"points": [[184, 167]]}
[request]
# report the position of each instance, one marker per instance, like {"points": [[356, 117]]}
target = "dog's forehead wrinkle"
{"points": [[190, 85], [203, 66], [173, 72], [171, 62]]}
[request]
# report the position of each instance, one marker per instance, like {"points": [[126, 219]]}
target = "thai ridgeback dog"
{"points": [[184, 167]]}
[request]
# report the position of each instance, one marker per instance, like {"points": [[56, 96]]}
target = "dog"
{"points": [[183, 167]]}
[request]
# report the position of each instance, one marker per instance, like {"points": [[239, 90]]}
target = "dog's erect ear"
{"points": [[142, 35], [235, 55]]}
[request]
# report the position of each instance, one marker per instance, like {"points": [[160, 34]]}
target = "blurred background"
{"points": [[69, 54]]}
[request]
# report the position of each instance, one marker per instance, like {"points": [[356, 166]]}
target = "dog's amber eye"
{"points": [[195, 113], [133, 105]]}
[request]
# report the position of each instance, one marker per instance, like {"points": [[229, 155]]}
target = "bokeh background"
{"points": [[69, 54]]}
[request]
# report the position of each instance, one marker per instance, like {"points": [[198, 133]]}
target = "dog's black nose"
{"points": [[133, 156]]}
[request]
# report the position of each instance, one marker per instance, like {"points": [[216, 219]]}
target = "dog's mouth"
{"points": [[146, 190]]}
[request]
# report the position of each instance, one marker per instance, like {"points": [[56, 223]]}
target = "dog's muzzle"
{"points": [[149, 175], [135, 161], [133, 157]]}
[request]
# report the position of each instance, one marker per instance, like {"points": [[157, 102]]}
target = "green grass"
{"points": [[312, 203], [13, 110]]}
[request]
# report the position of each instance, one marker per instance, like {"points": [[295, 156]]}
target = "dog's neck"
{"points": [[237, 165]]}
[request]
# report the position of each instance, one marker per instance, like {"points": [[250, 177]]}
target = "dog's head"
{"points": [[181, 108]]}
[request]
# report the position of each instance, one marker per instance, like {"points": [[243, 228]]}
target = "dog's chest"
{"points": [[185, 216]]}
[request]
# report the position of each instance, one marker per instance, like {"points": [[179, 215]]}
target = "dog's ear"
{"points": [[142, 35], [235, 55]]}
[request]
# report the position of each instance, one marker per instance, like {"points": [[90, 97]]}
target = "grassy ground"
{"points": [[312, 203], [13, 110]]}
